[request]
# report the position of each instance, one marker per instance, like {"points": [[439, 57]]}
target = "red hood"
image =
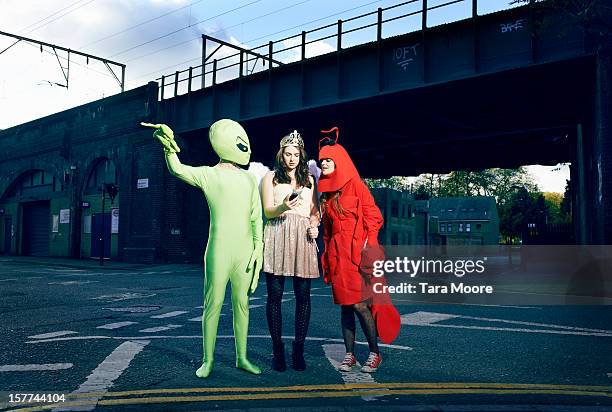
{"points": [[345, 169]]}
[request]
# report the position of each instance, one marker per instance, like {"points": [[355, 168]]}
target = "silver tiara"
{"points": [[292, 139]]}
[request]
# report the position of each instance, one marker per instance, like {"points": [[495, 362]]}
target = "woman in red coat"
{"points": [[351, 221]]}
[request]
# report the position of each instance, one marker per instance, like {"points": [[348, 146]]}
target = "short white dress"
{"points": [[288, 251]]}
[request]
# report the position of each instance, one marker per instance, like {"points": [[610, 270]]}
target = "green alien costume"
{"points": [[235, 239]]}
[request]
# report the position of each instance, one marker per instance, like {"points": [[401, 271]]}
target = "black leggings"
{"points": [[301, 289], [347, 317]]}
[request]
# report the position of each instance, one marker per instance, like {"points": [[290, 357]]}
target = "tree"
{"points": [[421, 193], [594, 16], [565, 207]]}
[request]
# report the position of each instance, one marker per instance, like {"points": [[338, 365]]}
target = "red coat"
{"points": [[345, 235]]}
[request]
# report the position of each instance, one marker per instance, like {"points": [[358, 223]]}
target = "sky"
{"points": [[155, 37]]}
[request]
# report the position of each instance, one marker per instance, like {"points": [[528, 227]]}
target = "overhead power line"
{"points": [[140, 24], [66, 71], [185, 28]]}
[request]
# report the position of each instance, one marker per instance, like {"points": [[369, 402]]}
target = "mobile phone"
{"points": [[293, 195]]}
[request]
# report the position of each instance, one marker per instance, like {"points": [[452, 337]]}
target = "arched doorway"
{"points": [[27, 225], [100, 218]]}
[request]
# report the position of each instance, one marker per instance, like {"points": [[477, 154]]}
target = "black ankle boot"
{"points": [[299, 364], [278, 358]]}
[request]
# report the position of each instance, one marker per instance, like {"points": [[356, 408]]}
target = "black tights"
{"points": [[367, 322], [301, 290]]}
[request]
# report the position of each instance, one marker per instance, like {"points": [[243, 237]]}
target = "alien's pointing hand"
{"points": [[165, 135]]}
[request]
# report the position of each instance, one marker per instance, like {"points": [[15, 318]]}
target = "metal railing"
{"points": [[213, 70]]}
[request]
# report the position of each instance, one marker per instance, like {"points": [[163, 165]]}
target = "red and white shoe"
{"points": [[348, 363], [372, 364]]}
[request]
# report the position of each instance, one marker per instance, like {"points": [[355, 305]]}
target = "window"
{"points": [[449, 227], [478, 227], [103, 172], [460, 227], [394, 208], [33, 184], [442, 227], [468, 227]]}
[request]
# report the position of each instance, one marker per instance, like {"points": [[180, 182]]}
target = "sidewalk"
{"points": [[76, 263]]}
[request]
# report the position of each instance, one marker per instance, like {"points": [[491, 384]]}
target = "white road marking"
{"points": [[35, 367], [335, 354], [34, 277], [124, 296], [169, 314], [52, 334], [285, 300], [310, 338], [253, 298], [74, 282], [135, 309], [320, 295], [7, 280], [429, 319], [160, 328], [199, 318], [116, 325], [424, 318], [255, 306], [105, 374]]}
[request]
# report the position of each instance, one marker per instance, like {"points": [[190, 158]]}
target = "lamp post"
{"points": [[111, 190]]}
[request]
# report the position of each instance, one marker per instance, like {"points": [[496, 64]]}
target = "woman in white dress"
{"points": [[289, 198]]}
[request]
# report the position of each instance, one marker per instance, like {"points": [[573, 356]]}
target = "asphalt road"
{"points": [[129, 338]]}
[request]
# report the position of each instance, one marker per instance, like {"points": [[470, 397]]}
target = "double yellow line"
{"points": [[150, 396]]}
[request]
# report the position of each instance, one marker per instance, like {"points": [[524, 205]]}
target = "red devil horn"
{"points": [[327, 138]]}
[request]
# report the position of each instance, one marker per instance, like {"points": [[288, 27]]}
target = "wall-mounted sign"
{"points": [[87, 224], [55, 224], [114, 220], [85, 205], [1, 211], [142, 183], [64, 216]]}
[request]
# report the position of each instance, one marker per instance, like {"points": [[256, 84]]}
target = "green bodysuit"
{"points": [[234, 249]]}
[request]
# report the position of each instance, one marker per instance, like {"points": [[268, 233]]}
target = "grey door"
{"points": [[36, 228]]}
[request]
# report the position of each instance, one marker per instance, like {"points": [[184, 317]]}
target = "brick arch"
{"points": [[13, 179], [91, 162]]}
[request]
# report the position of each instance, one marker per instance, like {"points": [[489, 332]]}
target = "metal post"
{"points": [[163, 84], [189, 81], [122, 78], [424, 16], [379, 25], [203, 60], [303, 45], [102, 232], [176, 82], [270, 52], [68, 70], [214, 77], [339, 46], [241, 64], [582, 206], [474, 8]]}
